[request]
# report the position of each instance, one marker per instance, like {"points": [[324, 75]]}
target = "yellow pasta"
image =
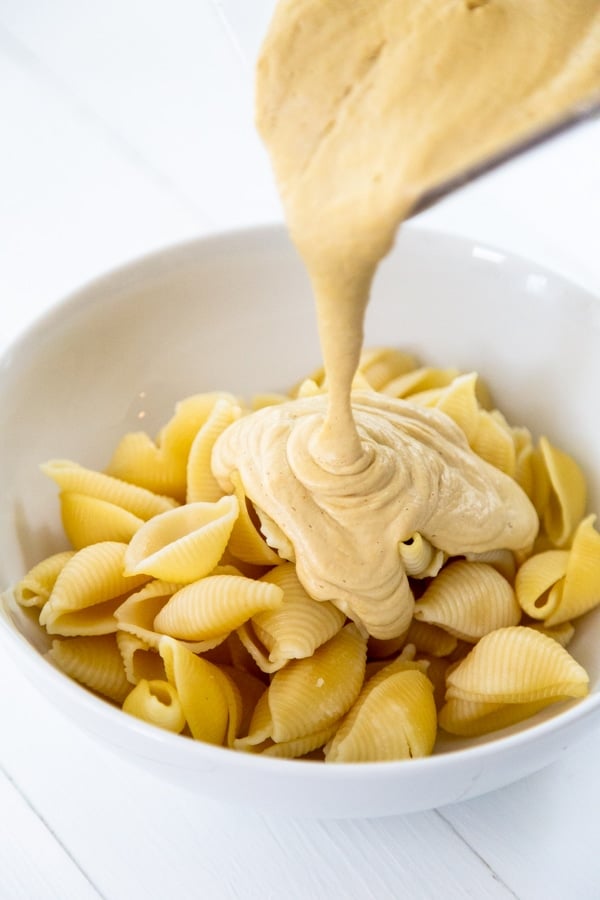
{"points": [[210, 700], [566, 501], [246, 542], [70, 476], [396, 720], [517, 665], [562, 633], [260, 728], [428, 638], [420, 558], [380, 365], [472, 718], [419, 380], [502, 560], [214, 606], [308, 695], [581, 589], [183, 544], [140, 660], [183, 605], [296, 627], [94, 662], [156, 702], [494, 442], [459, 401], [137, 613], [536, 579], [88, 590], [88, 520], [257, 650], [524, 464], [161, 467], [469, 599], [373, 678], [250, 690], [201, 483], [36, 586]]}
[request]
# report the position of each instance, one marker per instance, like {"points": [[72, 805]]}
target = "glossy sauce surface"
{"points": [[364, 107]]}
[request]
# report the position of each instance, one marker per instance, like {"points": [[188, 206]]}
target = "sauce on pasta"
{"points": [[364, 107]]}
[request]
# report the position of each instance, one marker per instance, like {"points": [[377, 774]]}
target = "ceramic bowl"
{"points": [[234, 312]]}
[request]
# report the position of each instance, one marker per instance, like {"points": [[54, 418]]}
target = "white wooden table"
{"points": [[126, 125]]}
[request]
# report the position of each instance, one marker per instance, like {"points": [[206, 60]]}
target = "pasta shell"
{"points": [[562, 633], [418, 380], [517, 665], [493, 441], [36, 586], [309, 388], [87, 520], [580, 591], [94, 662], [261, 726], [375, 676], [431, 639], [437, 669], [536, 577], [471, 718], [275, 537], [308, 695], [251, 690], [92, 620], [257, 650], [524, 451], [260, 401], [139, 659], [183, 544], [91, 584], [394, 717], [459, 401], [240, 657], [420, 558], [468, 600], [503, 561], [215, 606], [201, 483], [380, 365], [567, 499], [161, 467], [246, 541], [211, 701], [156, 702], [299, 624], [300, 746], [383, 648], [138, 613], [137, 500]]}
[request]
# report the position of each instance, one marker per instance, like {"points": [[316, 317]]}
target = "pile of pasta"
{"points": [[172, 604]]}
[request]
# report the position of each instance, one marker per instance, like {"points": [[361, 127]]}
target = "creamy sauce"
{"points": [[365, 106]]}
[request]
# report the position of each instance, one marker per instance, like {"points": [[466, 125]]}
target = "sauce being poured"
{"points": [[364, 107]]}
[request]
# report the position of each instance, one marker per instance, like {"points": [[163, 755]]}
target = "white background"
{"points": [[126, 125]]}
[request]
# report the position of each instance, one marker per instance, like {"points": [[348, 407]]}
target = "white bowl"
{"points": [[235, 312]]}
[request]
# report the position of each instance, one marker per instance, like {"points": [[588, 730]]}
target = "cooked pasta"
{"points": [[183, 544], [182, 601]]}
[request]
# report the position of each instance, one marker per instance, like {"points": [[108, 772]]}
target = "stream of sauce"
{"points": [[364, 107]]}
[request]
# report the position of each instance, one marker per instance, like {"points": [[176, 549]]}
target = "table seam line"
{"points": [[50, 830], [476, 853], [21, 54]]}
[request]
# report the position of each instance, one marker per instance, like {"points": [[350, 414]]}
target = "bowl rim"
{"points": [[186, 751]]}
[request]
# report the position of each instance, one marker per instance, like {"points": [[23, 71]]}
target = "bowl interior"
{"points": [[234, 312]]}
